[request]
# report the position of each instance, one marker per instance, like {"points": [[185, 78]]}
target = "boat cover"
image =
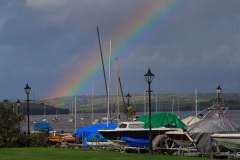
{"points": [[162, 120], [91, 132], [136, 142], [202, 130], [190, 120], [42, 126]]}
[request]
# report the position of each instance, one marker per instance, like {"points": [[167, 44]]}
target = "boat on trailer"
{"points": [[182, 136], [139, 129], [91, 136], [230, 140]]}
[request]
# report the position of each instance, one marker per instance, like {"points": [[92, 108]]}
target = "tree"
{"points": [[129, 112], [10, 133]]}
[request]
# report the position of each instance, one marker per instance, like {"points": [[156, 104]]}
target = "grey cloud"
{"points": [[42, 41]]}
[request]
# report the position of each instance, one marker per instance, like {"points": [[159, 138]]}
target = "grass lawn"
{"points": [[74, 154]]}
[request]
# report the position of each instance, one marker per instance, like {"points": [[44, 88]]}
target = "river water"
{"points": [[66, 126]]}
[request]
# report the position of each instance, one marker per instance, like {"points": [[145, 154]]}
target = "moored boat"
{"points": [[54, 139], [56, 118], [91, 136], [62, 138], [71, 120], [181, 138], [230, 140], [67, 137], [199, 134], [139, 129], [195, 124]]}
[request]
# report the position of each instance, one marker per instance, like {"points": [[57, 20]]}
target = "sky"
{"points": [[53, 46]]}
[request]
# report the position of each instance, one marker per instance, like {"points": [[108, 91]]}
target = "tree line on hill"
{"points": [[35, 108]]}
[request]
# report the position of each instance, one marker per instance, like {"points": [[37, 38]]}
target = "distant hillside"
{"points": [[36, 108], [160, 102], [163, 102]]}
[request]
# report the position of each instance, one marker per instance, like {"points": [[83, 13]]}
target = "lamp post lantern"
{"points": [[218, 90], [18, 105], [149, 77], [27, 90], [128, 98]]}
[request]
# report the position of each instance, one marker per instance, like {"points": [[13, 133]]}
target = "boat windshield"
{"points": [[122, 125]]}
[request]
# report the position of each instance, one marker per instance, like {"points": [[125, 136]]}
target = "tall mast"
{"points": [[109, 75], [99, 42], [45, 109], [196, 101], [118, 109], [72, 109], [75, 116], [172, 105], [156, 101], [92, 100], [124, 104], [178, 107]]}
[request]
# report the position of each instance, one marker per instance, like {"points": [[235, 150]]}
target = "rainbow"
{"points": [[139, 28]]}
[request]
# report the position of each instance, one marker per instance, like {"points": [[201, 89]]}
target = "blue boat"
{"points": [[132, 142], [90, 134], [42, 126]]}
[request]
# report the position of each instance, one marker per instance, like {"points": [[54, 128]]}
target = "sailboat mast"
{"points": [[196, 101], [118, 109], [45, 108], [172, 105], [156, 101], [109, 75], [92, 100], [75, 116], [178, 107], [72, 109], [122, 94], [99, 42]]}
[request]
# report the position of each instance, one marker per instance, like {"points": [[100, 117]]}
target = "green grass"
{"points": [[73, 154]]}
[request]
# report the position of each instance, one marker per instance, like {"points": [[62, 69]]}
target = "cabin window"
{"points": [[123, 125], [136, 125]]}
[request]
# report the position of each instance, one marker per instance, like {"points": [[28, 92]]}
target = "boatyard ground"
{"points": [[73, 154]]}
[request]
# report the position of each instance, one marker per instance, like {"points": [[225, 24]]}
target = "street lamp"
{"points": [[218, 90], [128, 98], [18, 105], [149, 77], [27, 90]]}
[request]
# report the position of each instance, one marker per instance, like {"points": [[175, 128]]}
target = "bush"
{"points": [[39, 139], [9, 127]]}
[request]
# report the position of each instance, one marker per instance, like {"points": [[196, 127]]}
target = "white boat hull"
{"points": [[228, 140]]}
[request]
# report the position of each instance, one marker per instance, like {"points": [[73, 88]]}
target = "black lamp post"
{"points": [[18, 105], [218, 90], [149, 77], [128, 98], [27, 90]]}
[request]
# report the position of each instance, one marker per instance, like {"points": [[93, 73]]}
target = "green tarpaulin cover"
{"points": [[162, 120]]}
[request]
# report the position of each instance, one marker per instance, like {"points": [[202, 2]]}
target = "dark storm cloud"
{"points": [[41, 41]]}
